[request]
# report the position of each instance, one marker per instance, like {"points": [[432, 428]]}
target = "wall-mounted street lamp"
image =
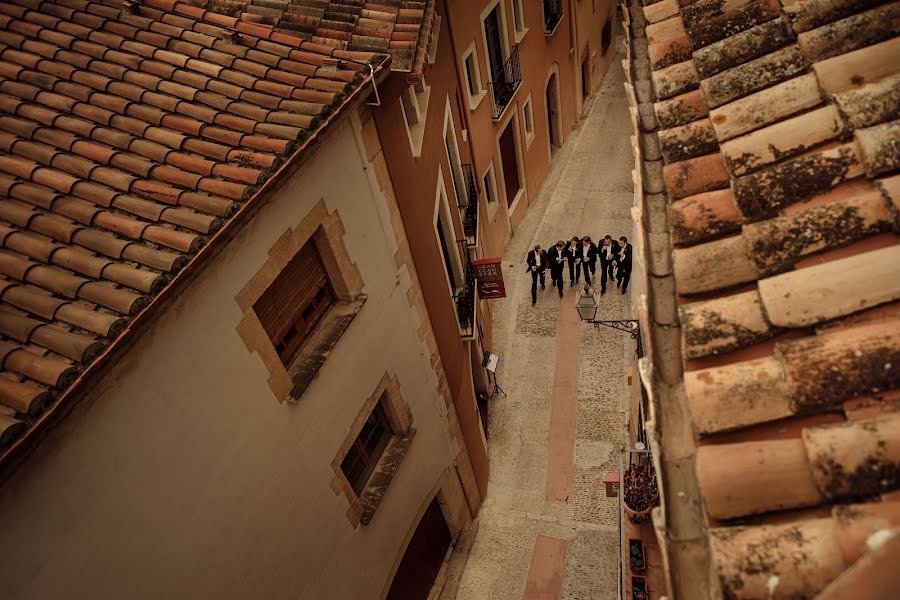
{"points": [[586, 303]]}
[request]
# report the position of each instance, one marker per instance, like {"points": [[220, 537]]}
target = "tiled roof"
{"points": [[401, 28], [771, 131], [129, 135]]}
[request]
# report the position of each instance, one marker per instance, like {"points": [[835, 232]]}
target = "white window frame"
{"points": [[504, 29], [528, 117], [472, 52], [454, 160], [414, 106], [491, 191], [519, 20], [442, 209]]}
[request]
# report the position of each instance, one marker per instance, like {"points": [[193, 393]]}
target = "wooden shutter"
{"points": [[281, 307]]}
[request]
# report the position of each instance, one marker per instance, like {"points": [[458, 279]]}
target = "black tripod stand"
{"points": [[490, 363]]}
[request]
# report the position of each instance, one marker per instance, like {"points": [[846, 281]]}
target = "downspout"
{"points": [[573, 29]]}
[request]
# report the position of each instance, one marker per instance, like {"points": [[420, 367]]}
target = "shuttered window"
{"points": [[367, 449], [295, 302]]}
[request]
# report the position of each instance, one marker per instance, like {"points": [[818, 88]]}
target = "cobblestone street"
{"points": [[546, 529]]}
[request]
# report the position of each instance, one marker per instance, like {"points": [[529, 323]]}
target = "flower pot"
{"points": [[641, 493], [636, 556], [639, 588], [637, 516]]}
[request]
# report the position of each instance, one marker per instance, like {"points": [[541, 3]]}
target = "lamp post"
{"points": [[586, 304]]}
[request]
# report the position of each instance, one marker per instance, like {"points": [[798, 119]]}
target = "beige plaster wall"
{"points": [[182, 476]]}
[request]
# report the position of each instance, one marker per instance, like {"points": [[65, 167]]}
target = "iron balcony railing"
{"points": [[465, 297], [470, 208], [505, 81], [553, 12]]}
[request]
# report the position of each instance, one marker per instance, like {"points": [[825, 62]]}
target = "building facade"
{"points": [[522, 93], [219, 373]]}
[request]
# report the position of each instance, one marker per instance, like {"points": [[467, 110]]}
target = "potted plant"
{"points": [[639, 588], [636, 554], [641, 492]]}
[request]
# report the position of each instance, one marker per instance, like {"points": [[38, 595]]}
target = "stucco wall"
{"points": [[181, 475]]}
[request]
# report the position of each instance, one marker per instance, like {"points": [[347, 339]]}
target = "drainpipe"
{"points": [[573, 28]]}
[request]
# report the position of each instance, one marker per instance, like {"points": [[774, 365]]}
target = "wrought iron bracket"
{"points": [[628, 326]]}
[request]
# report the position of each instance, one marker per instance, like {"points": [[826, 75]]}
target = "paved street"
{"points": [[546, 529]]}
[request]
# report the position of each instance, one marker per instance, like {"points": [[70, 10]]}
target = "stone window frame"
{"points": [[528, 119], [519, 20], [363, 506], [327, 230], [472, 70]]}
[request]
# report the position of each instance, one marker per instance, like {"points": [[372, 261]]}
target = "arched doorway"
{"points": [[554, 124]]}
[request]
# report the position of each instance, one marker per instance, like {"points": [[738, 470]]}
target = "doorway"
{"points": [[510, 162], [423, 558], [552, 97]]}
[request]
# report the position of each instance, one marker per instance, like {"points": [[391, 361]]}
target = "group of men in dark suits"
{"points": [[582, 256]]}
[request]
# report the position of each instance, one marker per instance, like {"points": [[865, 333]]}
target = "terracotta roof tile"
{"points": [[400, 27], [125, 140], [778, 139]]}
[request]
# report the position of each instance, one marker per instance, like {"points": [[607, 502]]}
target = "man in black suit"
{"points": [[537, 264], [557, 258], [589, 258], [608, 252], [574, 254], [624, 262]]}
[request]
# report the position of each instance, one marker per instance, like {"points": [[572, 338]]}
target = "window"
{"points": [[553, 11], [519, 20], [373, 450], [494, 38], [490, 185], [504, 70], [473, 77], [606, 36], [366, 450], [446, 237], [453, 160], [295, 302], [414, 102], [528, 117]]}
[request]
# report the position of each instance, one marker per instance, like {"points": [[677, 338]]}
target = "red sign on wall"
{"points": [[489, 278]]}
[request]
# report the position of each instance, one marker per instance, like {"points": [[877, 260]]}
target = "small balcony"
{"points": [[553, 12], [469, 208], [506, 80], [465, 297]]}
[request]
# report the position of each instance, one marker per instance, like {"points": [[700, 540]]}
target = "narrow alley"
{"points": [[547, 529]]}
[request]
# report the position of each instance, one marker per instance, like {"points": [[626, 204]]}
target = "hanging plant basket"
{"points": [[641, 492]]}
